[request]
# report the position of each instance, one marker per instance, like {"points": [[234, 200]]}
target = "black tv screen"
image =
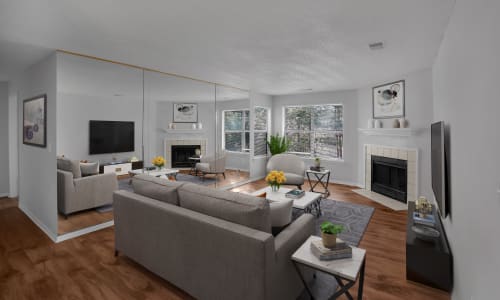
{"points": [[438, 166], [111, 137]]}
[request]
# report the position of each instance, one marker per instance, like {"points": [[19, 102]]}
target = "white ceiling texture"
{"points": [[275, 47]]}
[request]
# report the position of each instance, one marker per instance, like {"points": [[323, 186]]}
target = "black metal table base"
{"points": [[344, 287], [319, 181]]}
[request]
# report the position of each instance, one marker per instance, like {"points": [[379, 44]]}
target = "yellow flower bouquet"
{"points": [[158, 161], [275, 179]]}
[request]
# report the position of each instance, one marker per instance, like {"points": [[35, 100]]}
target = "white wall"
{"points": [[95, 90], [345, 171], [74, 114], [37, 166], [161, 113], [465, 78], [13, 141], [4, 138], [418, 112]]}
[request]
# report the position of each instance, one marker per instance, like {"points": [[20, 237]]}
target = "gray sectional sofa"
{"points": [[212, 244]]}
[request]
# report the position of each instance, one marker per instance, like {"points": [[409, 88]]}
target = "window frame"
{"points": [[243, 131], [310, 155], [267, 130]]}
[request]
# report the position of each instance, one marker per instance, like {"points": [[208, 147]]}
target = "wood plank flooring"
{"points": [[32, 267]]}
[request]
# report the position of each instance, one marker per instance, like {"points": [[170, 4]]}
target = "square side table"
{"points": [[348, 269]]}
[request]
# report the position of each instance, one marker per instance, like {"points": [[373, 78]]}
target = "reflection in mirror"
{"points": [[180, 125], [234, 141], [96, 102]]}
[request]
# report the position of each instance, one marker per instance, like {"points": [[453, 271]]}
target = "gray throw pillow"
{"points": [[68, 165], [89, 169]]}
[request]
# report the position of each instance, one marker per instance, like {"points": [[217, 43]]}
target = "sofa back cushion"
{"points": [[238, 208], [69, 165], [156, 188]]}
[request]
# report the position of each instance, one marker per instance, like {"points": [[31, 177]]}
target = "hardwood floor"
{"points": [[82, 220], [32, 267]]}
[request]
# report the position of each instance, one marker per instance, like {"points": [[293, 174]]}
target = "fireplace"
{"points": [[389, 177], [181, 154]]}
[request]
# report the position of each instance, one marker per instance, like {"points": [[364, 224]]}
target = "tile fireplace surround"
{"points": [[169, 143], [409, 155]]}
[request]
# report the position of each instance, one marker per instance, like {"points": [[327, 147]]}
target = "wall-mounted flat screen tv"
{"points": [[438, 162], [111, 137]]}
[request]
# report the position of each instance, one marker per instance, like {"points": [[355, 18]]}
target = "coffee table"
{"points": [[347, 269], [155, 173], [309, 201]]}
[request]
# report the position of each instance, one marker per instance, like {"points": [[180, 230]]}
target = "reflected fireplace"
{"points": [[181, 154], [389, 177]]}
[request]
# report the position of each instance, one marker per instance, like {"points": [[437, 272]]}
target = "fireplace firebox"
{"points": [[181, 154], [389, 177]]}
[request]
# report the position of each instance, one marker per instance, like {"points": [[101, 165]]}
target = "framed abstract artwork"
{"points": [[389, 100], [35, 121], [185, 113]]}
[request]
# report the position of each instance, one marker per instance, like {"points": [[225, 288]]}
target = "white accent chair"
{"points": [[292, 165], [212, 164]]}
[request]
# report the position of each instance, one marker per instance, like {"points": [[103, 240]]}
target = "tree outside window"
{"points": [[315, 130]]}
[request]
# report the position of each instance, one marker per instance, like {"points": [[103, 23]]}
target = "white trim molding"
{"points": [[77, 233], [38, 223]]}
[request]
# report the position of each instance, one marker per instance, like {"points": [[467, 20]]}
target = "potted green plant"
{"points": [[329, 233], [317, 162], [278, 144]]}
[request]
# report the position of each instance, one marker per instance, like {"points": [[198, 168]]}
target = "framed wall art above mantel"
{"points": [[389, 100], [185, 113]]}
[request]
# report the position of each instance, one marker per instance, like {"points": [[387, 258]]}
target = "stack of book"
{"points": [[427, 219], [341, 250], [295, 194]]}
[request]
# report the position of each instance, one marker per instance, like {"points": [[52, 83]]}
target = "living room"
{"points": [[319, 76]]}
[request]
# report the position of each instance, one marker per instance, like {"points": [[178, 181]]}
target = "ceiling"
{"points": [[275, 47]]}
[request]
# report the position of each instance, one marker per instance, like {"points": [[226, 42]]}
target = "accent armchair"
{"points": [[77, 194], [213, 164], [292, 165]]}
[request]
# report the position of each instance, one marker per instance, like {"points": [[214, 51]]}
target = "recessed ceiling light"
{"points": [[376, 46]]}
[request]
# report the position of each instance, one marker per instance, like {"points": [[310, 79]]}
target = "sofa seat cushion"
{"points": [[238, 208], [156, 188]]}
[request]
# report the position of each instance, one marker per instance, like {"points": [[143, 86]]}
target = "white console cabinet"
{"points": [[119, 169]]}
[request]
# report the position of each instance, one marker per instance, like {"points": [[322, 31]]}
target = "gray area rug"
{"points": [[355, 219]]}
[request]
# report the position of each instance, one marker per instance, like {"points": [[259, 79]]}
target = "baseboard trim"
{"points": [[40, 224], [351, 183], [74, 234], [4, 195]]}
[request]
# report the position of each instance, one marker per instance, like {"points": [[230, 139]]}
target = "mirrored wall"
{"points": [[115, 121]]}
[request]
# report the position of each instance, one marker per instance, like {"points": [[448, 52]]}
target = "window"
{"points": [[315, 130], [261, 129], [236, 130]]}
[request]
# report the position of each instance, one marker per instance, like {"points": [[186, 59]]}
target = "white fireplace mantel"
{"points": [[397, 132]]}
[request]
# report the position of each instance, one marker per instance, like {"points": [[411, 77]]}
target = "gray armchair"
{"points": [[213, 164], [77, 194], [292, 165]]}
